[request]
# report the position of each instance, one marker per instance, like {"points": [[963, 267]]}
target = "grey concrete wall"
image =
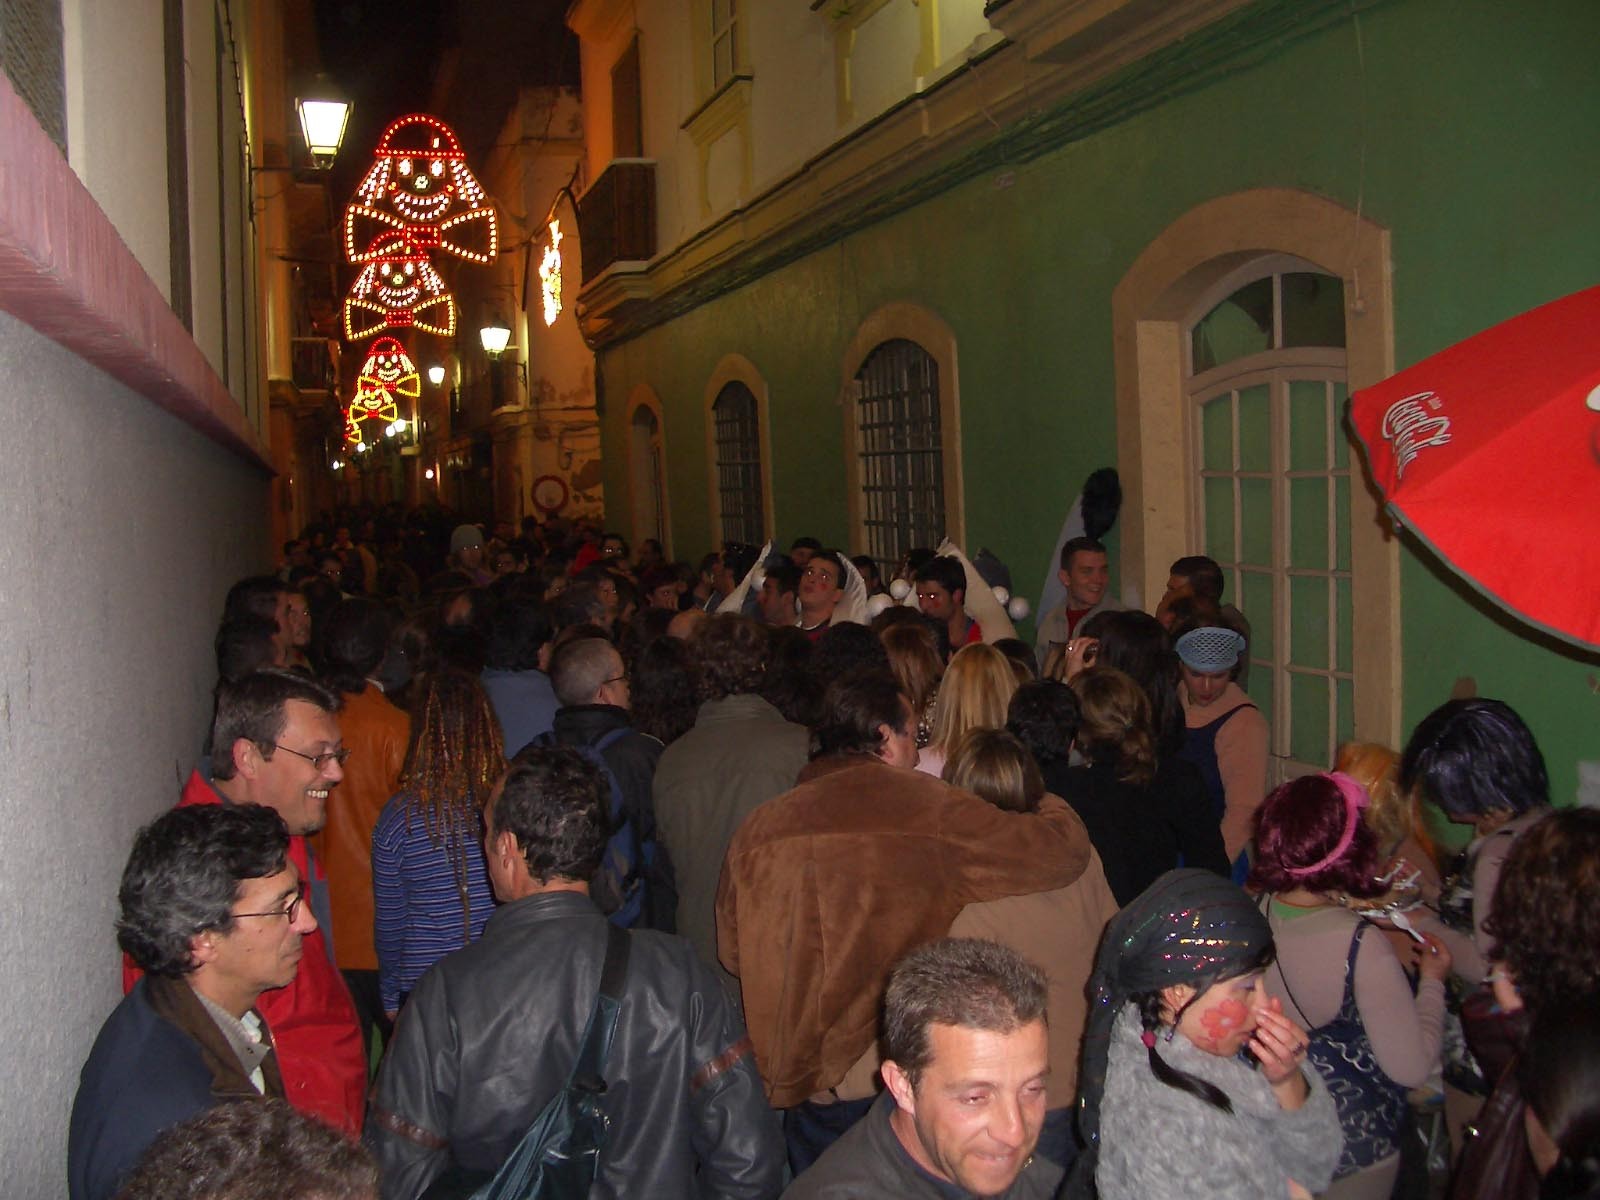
{"points": [[120, 531]]}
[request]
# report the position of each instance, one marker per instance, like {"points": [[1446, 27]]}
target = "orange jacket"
{"points": [[375, 732]]}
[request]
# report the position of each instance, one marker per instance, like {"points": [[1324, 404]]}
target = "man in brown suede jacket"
{"points": [[827, 885]]}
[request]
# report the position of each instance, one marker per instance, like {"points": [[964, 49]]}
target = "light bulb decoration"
{"points": [[398, 288], [550, 274], [420, 183], [387, 376]]}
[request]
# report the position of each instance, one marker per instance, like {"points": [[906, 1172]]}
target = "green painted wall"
{"points": [[1467, 129]]}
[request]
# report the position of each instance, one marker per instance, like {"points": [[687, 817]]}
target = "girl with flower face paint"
{"points": [[1193, 1080]]}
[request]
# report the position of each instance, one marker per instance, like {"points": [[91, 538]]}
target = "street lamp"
{"points": [[495, 337], [322, 122], [436, 375]]}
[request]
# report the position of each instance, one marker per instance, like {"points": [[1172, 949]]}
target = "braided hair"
{"points": [[451, 766]]}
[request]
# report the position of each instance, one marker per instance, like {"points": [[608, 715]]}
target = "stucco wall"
{"points": [[1482, 173], [122, 529]]}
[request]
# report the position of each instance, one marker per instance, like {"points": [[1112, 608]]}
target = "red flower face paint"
{"points": [[1221, 1020]]}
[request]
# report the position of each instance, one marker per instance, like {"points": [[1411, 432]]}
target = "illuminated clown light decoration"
{"points": [[398, 288], [420, 185], [387, 376]]}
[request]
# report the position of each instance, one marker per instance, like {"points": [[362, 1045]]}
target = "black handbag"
{"points": [[558, 1157]]}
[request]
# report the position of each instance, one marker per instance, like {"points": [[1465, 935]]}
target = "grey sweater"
{"points": [[1157, 1142]]}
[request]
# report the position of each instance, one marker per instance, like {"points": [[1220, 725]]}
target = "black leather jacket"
{"points": [[489, 1035]]}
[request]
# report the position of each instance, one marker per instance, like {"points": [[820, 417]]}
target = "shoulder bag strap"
{"points": [[589, 1070]]}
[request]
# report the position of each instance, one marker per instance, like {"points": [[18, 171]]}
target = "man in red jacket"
{"points": [[275, 742]]}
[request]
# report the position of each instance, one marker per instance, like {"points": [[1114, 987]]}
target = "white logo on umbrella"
{"points": [[1411, 425]]}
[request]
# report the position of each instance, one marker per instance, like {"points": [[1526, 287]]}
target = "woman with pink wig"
{"points": [[1372, 1038]]}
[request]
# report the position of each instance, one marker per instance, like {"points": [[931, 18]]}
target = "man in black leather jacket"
{"points": [[489, 1035]]}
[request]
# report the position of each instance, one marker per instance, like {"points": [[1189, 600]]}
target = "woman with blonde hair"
{"points": [[1058, 930], [1144, 815], [914, 658], [974, 694], [429, 881]]}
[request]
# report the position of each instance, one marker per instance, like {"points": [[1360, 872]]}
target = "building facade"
{"points": [[916, 270], [134, 422]]}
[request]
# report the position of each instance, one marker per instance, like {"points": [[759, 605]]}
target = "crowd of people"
{"points": [[911, 907]]}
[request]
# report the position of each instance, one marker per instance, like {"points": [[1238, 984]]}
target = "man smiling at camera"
{"points": [[968, 1057], [275, 743]]}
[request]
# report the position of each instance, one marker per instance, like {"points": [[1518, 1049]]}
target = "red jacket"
{"points": [[313, 1021]]}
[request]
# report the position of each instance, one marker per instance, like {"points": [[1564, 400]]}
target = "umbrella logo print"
{"points": [[1412, 426]]}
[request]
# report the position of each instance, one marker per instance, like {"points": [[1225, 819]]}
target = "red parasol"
{"points": [[1490, 453]]}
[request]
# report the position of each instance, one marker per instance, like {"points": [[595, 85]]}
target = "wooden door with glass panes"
{"points": [[1272, 497]]}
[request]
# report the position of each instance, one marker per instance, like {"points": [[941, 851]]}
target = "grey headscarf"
{"points": [[1188, 927]]}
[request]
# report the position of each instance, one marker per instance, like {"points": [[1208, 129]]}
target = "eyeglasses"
{"points": [[292, 910], [319, 761]]}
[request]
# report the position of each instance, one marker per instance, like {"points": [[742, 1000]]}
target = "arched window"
{"points": [[1271, 472], [647, 474], [900, 450], [902, 412], [1238, 331], [736, 432]]}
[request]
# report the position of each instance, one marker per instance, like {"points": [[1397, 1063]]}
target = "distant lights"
{"points": [[428, 474]]}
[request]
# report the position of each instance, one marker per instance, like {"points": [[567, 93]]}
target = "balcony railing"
{"points": [[617, 216]]}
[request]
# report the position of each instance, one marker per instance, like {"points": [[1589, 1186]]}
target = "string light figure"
{"points": [[387, 376], [420, 184], [398, 288], [550, 274]]}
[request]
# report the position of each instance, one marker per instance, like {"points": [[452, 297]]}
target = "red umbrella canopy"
{"points": [[1490, 453]]}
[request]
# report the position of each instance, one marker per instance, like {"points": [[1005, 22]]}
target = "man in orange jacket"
{"points": [[275, 742]]}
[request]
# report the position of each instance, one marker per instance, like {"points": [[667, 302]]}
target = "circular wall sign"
{"points": [[550, 493]]}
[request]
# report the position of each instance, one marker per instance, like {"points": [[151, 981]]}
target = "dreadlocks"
{"points": [[451, 766]]}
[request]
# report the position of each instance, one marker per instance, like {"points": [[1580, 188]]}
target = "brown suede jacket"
{"points": [[828, 885]]}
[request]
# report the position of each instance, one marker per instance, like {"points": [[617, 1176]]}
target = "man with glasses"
{"points": [[212, 913], [592, 685], [275, 744]]}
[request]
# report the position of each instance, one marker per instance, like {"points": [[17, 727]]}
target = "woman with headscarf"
{"points": [[1372, 1038], [1225, 735], [1167, 1106]]}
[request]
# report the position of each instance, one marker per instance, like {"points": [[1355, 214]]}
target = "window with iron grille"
{"points": [[900, 450], [31, 53], [738, 442]]}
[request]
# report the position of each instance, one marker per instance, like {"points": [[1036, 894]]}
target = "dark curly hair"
{"points": [[1545, 918], [730, 655], [183, 876], [1044, 715], [1300, 824], [1471, 757], [252, 1150], [553, 801]]}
